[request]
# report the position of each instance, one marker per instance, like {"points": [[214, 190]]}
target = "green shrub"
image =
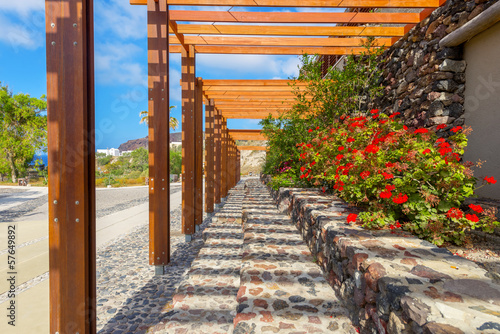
{"points": [[399, 177]]}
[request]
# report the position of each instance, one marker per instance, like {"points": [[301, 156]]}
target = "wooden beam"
{"points": [[217, 154], [262, 104], [188, 141], [305, 3], [223, 29], [71, 157], [252, 148], [292, 17], [278, 41], [250, 88], [241, 94], [198, 118], [158, 134], [251, 82], [180, 37], [246, 135], [209, 157]]}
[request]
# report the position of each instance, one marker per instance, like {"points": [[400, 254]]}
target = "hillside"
{"points": [[143, 142], [251, 161]]}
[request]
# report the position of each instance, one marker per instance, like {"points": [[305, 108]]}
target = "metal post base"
{"points": [[196, 228], [189, 237], [159, 270]]}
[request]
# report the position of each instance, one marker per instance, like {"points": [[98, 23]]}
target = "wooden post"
{"points": [[238, 159], [209, 157], [198, 160], [217, 155], [71, 160], [223, 182], [158, 131], [188, 140]]}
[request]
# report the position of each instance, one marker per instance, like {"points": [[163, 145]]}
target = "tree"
{"points": [[23, 130], [173, 122]]}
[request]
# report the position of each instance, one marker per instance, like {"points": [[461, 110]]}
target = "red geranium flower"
{"points": [[426, 151], [388, 175], [350, 140], [422, 130], [385, 194], [317, 128], [472, 217], [389, 164], [312, 163], [398, 225], [302, 169], [351, 218], [490, 180], [340, 156], [456, 129], [374, 116], [400, 199], [372, 149], [374, 111], [341, 148], [476, 208], [441, 126], [390, 187], [364, 174], [310, 130], [455, 213], [405, 127]]}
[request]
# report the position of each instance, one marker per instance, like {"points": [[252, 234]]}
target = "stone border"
{"points": [[391, 281]]}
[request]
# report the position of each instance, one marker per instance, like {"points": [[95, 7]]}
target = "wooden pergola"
{"points": [[71, 129]]}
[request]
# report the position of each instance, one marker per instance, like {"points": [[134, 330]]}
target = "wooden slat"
{"points": [[252, 148], [198, 218], [217, 155], [188, 141], [179, 37], [242, 94], [305, 3], [246, 135], [293, 17], [223, 29], [251, 82], [158, 114], [278, 41], [272, 50], [257, 88], [262, 104], [71, 118], [209, 156], [249, 115]]}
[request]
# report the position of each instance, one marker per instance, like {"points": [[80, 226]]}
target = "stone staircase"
{"points": [[254, 274]]}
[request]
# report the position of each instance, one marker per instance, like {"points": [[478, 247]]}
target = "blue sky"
{"points": [[120, 64]]}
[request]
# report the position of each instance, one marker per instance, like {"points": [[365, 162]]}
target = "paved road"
{"points": [[119, 211]]}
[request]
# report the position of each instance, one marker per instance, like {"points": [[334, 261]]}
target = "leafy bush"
{"points": [[400, 177]]}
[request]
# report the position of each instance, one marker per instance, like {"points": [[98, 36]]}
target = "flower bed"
{"points": [[390, 281], [400, 177]]}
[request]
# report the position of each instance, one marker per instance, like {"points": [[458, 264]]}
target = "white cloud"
{"points": [[115, 63], [22, 7], [120, 18], [21, 35]]}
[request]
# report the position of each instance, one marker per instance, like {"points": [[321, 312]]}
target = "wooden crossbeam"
{"points": [[252, 148], [257, 99], [249, 115], [306, 3], [178, 36], [241, 29], [245, 95], [291, 17], [278, 41], [246, 135], [250, 82], [222, 104], [250, 88], [271, 50]]}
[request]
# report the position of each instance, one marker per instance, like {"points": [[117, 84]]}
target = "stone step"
{"points": [[205, 302], [281, 289]]}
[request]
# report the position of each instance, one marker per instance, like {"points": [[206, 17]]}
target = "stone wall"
{"points": [[390, 281], [423, 81]]}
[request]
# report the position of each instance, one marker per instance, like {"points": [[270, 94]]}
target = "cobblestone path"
{"points": [[254, 274]]}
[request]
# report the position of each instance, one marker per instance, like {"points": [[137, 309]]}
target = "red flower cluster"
{"points": [[422, 130], [476, 208], [372, 149], [472, 217], [400, 198], [426, 151], [364, 174], [454, 213], [388, 176], [456, 129], [490, 180], [441, 126], [385, 194], [351, 218]]}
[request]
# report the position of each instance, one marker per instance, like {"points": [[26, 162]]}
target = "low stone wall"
{"points": [[390, 281]]}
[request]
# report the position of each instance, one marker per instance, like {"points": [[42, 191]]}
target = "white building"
{"points": [[110, 151]]}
